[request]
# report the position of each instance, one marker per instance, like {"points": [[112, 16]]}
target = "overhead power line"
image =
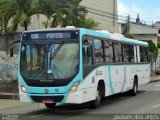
{"points": [[112, 15], [108, 15]]}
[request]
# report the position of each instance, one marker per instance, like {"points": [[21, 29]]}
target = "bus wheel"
{"points": [[134, 90], [96, 103], [50, 106]]}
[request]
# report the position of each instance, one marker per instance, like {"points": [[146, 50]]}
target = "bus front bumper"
{"points": [[73, 97]]}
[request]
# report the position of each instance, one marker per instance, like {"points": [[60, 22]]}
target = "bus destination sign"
{"points": [[47, 35], [50, 35]]}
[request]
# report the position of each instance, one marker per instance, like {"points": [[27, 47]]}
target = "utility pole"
{"points": [[114, 11]]}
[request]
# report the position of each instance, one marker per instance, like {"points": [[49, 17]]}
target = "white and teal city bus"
{"points": [[77, 65]]}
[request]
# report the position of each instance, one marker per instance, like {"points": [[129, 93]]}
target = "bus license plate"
{"points": [[47, 101]]}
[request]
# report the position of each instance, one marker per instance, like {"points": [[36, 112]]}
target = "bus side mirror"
{"points": [[11, 50], [85, 42], [89, 51], [11, 46]]}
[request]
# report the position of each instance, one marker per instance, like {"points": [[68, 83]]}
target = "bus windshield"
{"points": [[49, 61]]}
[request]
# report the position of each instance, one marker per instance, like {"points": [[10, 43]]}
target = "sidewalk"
{"points": [[9, 96], [6, 95], [154, 78]]}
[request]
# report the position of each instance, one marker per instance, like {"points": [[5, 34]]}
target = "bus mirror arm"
{"points": [[85, 42], [11, 46]]}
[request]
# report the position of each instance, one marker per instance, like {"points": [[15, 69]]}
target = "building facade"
{"points": [[141, 32], [104, 12]]}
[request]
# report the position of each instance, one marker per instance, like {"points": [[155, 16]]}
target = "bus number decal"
{"points": [[34, 36]]}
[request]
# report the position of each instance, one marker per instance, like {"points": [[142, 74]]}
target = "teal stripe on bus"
{"points": [[110, 80]]}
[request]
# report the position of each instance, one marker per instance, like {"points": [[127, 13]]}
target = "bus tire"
{"points": [[96, 103], [50, 106], [134, 90]]}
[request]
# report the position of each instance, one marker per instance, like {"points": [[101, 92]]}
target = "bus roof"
{"points": [[97, 33], [113, 36]]}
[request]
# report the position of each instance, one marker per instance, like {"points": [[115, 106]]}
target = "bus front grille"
{"points": [[53, 98]]}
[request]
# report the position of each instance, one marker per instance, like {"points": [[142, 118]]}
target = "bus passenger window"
{"points": [[87, 52], [108, 46], [143, 54], [132, 56], [117, 52], [98, 49], [126, 53]]}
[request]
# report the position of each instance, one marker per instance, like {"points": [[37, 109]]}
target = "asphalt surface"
{"points": [[117, 107]]}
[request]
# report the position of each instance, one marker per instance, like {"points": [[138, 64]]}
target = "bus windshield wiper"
{"points": [[57, 50]]}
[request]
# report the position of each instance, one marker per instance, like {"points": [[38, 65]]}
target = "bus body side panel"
{"points": [[118, 78], [139, 70], [146, 73], [115, 77], [91, 81], [130, 72]]}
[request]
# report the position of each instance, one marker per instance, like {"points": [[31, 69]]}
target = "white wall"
{"points": [[103, 13]]}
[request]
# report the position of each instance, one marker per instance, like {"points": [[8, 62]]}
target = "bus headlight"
{"points": [[74, 87], [23, 89]]}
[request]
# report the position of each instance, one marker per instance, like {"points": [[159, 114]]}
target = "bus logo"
{"points": [[46, 91]]}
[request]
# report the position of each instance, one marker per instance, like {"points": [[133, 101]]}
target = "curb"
{"points": [[9, 96], [154, 81]]}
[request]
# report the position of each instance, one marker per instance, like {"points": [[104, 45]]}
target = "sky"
{"points": [[149, 10]]}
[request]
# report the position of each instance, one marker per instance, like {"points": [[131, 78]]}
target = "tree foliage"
{"points": [[152, 47], [18, 11], [158, 45], [58, 13], [126, 31], [153, 52]]}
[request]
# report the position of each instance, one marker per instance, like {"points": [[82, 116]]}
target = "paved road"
{"points": [[147, 101]]}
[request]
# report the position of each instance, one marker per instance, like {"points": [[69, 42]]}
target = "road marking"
{"points": [[156, 105], [36, 116], [157, 85], [156, 89], [147, 91]]}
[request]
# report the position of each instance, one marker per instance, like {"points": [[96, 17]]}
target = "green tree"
{"points": [[64, 13], [47, 8], [18, 11], [126, 31], [88, 23], [153, 52], [73, 14]]}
